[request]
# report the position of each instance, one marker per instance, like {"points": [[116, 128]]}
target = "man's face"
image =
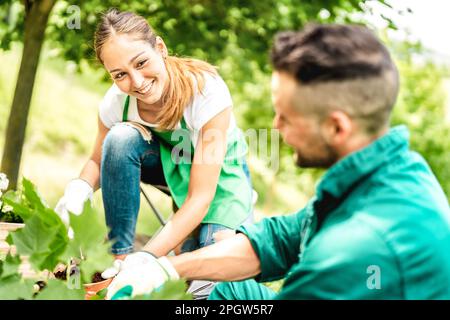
{"points": [[302, 132]]}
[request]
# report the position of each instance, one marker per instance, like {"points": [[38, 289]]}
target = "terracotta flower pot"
{"points": [[92, 288]]}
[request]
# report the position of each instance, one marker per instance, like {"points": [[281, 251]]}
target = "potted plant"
{"points": [[92, 289]]}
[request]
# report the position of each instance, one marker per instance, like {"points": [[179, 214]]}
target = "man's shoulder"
{"points": [[410, 169], [405, 184]]}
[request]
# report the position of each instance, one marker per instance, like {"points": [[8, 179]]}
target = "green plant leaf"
{"points": [[60, 290], [12, 286], [44, 237], [32, 196], [16, 289], [34, 240], [9, 240], [101, 295], [60, 240], [89, 242], [171, 290], [87, 227], [10, 266], [14, 199], [97, 259]]}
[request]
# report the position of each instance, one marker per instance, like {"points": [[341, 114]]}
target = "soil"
{"points": [[41, 285], [97, 277], [61, 273]]}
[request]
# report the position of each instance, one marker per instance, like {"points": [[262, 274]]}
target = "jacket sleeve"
{"points": [[347, 261], [276, 241]]}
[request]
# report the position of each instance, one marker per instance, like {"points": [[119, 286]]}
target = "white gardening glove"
{"points": [[75, 195], [140, 273], [114, 270]]}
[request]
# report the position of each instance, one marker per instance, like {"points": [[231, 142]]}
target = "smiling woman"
{"points": [[154, 98], [138, 62]]}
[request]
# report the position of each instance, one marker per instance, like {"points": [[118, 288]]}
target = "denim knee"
{"points": [[118, 141], [207, 233], [205, 237]]}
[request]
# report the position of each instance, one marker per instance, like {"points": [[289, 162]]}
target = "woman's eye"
{"points": [[119, 76], [141, 63]]}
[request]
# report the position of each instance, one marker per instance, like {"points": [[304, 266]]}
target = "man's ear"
{"points": [[337, 128]]}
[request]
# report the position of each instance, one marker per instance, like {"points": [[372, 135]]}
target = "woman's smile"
{"points": [[146, 89]]}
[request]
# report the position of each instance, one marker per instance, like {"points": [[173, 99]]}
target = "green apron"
{"points": [[232, 202]]}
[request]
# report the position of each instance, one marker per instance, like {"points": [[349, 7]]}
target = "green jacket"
{"points": [[378, 228]]}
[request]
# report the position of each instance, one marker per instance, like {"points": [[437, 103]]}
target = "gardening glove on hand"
{"points": [[114, 270], [140, 273], [75, 195]]}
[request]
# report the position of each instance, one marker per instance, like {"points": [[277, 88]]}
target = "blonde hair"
{"points": [[182, 72]]}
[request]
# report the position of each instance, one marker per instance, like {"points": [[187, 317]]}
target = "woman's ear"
{"points": [[160, 46]]}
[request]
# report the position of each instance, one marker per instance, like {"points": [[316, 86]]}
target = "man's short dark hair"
{"points": [[345, 55], [330, 52]]}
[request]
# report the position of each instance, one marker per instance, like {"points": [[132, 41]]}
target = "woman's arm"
{"points": [[204, 176], [91, 170]]}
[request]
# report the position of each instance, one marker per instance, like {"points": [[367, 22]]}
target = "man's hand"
{"points": [[75, 195], [140, 273], [111, 272]]}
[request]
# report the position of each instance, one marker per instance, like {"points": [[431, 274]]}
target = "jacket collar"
{"points": [[339, 179]]}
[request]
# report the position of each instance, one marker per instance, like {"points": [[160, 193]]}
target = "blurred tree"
{"points": [[421, 107], [234, 33], [36, 15]]}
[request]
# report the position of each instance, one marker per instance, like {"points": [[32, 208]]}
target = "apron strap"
{"points": [[162, 135], [125, 113], [125, 109]]}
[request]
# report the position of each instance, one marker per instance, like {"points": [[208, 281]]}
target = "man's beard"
{"points": [[328, 157]]}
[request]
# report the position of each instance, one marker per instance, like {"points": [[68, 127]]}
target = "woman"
{"points": [[155, 100]]}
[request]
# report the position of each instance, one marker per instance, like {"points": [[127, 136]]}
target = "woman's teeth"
{"points": [[146, 88]]}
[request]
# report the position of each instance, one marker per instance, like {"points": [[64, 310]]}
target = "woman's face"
{"points": [[137, 68]]}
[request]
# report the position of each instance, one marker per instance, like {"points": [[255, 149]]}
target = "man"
{"points": [[378, 226]]}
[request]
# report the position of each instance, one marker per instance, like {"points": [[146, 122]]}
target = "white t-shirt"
{"points": [[213, 99]]}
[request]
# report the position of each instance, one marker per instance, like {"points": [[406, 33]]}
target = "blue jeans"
{"points": [[127, 159]]}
